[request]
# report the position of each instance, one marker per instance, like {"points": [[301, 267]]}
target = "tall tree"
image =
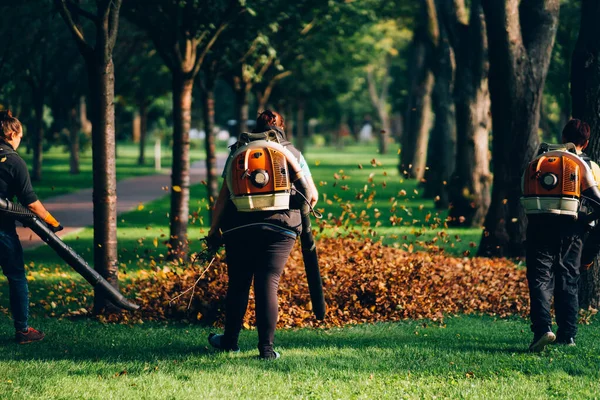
{"points": [[417, 120], [520, 37], [469, 187], [585, 80], [183, 33], [442, 141], [101, 81]]}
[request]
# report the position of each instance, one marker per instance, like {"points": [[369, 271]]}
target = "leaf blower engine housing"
{"points": [[555, 180], [258, 175]]}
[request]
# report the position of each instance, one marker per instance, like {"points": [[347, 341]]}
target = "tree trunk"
{"points": [[300, 126], [416, 169], [470, 185], [379, 101], [520, 37], [84, 122], [143, 112], [585, 81], [212, 180], [102, 89], [289, 122], [74, 142], [417, 121], [38, 134], [241, 98], [442, 144], [135, 125], [180, 176]]}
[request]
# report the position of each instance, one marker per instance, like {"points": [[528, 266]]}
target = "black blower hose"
{"points": [[30, 220]]}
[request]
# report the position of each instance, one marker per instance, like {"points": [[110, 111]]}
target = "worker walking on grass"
{"points": [[256, 215], [14, 181], [560, 197]]}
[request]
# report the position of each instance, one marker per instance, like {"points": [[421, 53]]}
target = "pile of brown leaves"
{"points": [[364, 281]]}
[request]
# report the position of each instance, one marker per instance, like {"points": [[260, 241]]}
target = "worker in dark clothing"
{"points": [[258, 242], [15, 182], [555, 234]]}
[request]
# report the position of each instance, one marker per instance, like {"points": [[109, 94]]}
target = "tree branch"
{"points": [[265, 67], [385, 84], [201, 55], [84, 47], [504, 32], [539, 23], [113, 23], [251, 50], [74, 7], [372, 87]]}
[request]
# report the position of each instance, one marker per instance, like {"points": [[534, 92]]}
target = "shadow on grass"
{"points": [[472, 344]]}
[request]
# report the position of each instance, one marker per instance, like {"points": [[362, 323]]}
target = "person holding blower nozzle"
{"points": [[15, 182], [561, 198], [255, 212]]}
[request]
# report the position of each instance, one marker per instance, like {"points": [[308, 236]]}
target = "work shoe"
{"points": [[218, 342], [29, 336], [566, 341], [272, 355], [539, 342]]}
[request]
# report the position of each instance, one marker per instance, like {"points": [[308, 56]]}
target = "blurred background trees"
{"points": [[411, 76]]}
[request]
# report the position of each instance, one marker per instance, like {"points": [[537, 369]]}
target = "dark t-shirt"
{"points": [[14, 181]]}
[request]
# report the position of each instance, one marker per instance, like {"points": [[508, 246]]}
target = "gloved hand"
{"points": [[56, 228], [53, 224], [214, 239]]}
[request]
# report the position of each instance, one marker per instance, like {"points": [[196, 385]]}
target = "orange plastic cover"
{"points": [[572, 174], [269, 160]]}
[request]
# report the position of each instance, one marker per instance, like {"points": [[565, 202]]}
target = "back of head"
{"points": [[267, 120], [9, 125], [577, 132]]}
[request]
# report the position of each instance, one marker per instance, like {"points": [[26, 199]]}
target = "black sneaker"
{"points": [[566, 341], [539, 342], [217, 342], [29, 336]]}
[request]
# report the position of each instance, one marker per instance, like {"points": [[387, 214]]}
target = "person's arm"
{"points": [[28, 198], [38, 209], [218, 210], [315, 192], [311, 183]]}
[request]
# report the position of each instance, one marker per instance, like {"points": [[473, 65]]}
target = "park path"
{"points": [[75, 210]]}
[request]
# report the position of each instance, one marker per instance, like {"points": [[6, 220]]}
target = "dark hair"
{"points": [[8, 125], [269, 118], [576, 131]]}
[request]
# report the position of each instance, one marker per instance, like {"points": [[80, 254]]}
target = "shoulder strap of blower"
{"points": [[5, 150], [272, 135]]}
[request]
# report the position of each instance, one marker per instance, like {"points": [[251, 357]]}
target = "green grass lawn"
{"points": [[470, 357]]}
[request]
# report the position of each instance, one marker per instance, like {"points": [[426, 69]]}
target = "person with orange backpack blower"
{"points": [[561, 198], [264, 204]]}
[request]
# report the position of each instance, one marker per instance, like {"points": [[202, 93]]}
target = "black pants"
{"points": [[261, 254], [554, 247]]}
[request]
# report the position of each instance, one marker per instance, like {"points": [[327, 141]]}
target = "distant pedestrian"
{"points": [[15, 182]]}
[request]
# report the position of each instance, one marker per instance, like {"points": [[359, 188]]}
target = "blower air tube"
{"points": [[307, 241], [311, 265], [65, 252]]}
